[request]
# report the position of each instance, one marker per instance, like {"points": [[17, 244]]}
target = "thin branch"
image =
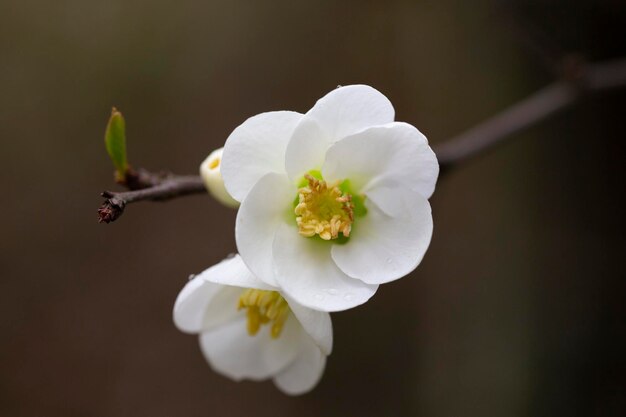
{"points": [[170, 186], [526, 113], [580, 80]]}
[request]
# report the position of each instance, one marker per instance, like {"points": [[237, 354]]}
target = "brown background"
{"points": [[516, 310]]}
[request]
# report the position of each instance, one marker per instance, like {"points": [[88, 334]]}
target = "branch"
{"points": [[579, 81], [148, 186]]}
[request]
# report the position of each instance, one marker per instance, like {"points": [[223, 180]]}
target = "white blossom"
{"points": [[249, 330], [334, 202]]}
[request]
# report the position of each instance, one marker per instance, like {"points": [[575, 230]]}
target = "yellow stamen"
{"points": [[323, 210], [214, 163], [264, 307]]}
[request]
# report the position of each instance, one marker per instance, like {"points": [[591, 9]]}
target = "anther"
{"points": [[323, 210], [264, 307]]}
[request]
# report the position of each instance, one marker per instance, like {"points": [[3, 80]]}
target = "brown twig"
{"points": [[579, 80], [154, 187]]}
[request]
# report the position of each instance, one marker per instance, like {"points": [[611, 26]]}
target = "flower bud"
{"points": [[210, 173]]}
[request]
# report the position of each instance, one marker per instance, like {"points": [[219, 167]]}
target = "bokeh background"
{"points": [[516, 310]]}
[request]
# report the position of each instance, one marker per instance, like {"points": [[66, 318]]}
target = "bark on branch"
{"points": [[147, 186], [579, 80]]}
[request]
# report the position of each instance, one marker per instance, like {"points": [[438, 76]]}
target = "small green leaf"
{"points": [[115, 141]]}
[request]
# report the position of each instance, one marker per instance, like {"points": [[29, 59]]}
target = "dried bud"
{"points": [[111, 209]]}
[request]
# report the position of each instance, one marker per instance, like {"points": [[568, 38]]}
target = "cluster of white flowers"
{"points": [[334, 202]]}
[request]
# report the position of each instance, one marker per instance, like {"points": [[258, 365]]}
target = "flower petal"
{"points": [[395, 154], [261, 212], [192, 312], [231, 351], [350, 109], [255, 148], [306, 272], [316, 324], [383, 248], [306, 149], [212, 176], [233, 271], [305, 372]]}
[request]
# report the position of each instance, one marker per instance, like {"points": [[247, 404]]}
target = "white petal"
{"points": [[231, 351], [306, 149], [305, 372], [233, 271], [383, 248], [267, 205], [306, 273], [223, 308], [191, 304], [396, 154], [316, 324], [256, 148], [348, 110], [210, 172], [199, 306]]}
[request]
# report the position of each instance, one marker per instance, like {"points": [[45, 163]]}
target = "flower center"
{"points": [[264, 307], [323, 210]]}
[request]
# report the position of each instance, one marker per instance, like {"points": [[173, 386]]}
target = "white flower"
{"points": [[210, 173], [333, 202], [248, 330]]}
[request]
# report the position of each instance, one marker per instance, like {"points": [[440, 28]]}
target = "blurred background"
{"points": [[516, 310]]}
